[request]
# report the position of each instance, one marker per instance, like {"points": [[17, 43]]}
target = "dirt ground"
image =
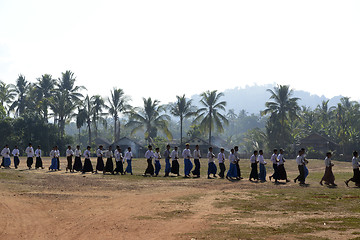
{"points": [[38, 204]]}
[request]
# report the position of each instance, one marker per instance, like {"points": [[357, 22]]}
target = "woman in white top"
{"points": [[38, 162], [212, 169], [6, 157], [254, 169], [149, 155], [232, 173], [197, 156], [128, 157], [77, 162], [355, 165], [328, 177], [109, 166], [87, 162], [54, 161], [175, 163], [262, 163], [30, 154], [69, 156], [157, 158], [16, 154]]}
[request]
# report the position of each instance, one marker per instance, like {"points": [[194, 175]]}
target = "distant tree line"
{"points": [[38, 112]]}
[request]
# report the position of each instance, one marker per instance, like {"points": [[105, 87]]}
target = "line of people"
{"points": [[172, 163]]}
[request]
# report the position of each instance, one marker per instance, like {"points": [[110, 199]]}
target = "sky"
{"points": [[161, 49]]}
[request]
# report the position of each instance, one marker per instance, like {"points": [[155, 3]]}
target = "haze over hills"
{"points": [[252, 98]]}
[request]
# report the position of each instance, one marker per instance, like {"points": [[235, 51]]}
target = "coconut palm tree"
{"points": [[183, 109], [150, 119], [45, 87], [7, 95], [118, 103], [98, 115], [210, 115], [283, 109], [21, 89]]}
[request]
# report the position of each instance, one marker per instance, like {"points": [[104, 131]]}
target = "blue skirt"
{"points": [[232, 171], [157, 167], [54, 165], [212, 169], [187, 166], [7, 162], [306, 171], [262, 174], [167, 165]]}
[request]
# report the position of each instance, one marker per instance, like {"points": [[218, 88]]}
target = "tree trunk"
{"points": [[79, 135], [210, 120], [89, 127], [115, 132], [181, 128], [119, 129]]}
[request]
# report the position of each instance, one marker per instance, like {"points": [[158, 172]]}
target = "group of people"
{"points": [[258, 173]]}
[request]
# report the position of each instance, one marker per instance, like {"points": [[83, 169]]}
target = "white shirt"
{"points": [[87, 154], [149, 154], [211, 157], [77, 153], [109, 154], [69, 152], [52, 154], [355, 162], [174, 155], [118, 155], [236, 154], [38, 152], [232, 158], [186, 153], [328, 162], [299, 160], [57, 153], [157, 156], [273, 158], [197, 154], [261, 159], [128, 155], [15, 152], [5, 153], [30, 151], [221, 157], [253, 158], [99, 153], [166, 154], [281, 159]]}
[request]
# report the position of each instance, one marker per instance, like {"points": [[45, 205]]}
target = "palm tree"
{"points": [[7, 95], [45, 88], [182, 109], [80, 119], [68, 94], [209, 114], [98, 105], [21, 89], [282, 110], [150, 120], [118, 103]]}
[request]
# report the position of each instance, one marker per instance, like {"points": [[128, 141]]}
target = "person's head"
{"points": [[197, 147], [101, 147], [88, 147], [355, 154], [30, 144], [300, 152], [255, 152], [236, 148], [222, 150], [175, 148], [168, 147], [129, 149], [261, 152], [56, 147], [232, 151], [281, 151], [110, 147], [39, 146], [187, 146], [78, 147], [210, 149], [157, 149], [275, 151], [16, 146], [328, 154], [6, 146], [69, 147], [150, 147], [303, 149]]}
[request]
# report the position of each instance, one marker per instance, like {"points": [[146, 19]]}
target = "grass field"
{"points": [[38, 204]]}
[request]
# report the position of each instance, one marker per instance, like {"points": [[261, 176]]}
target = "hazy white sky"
{"points": [[160, 49]]}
